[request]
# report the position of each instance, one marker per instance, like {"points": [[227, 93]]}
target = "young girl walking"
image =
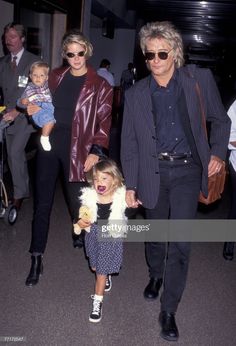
{"points": [[103, 200]]}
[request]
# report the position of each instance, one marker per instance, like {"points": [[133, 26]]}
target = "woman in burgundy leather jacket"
{"points": [[82, 102]]}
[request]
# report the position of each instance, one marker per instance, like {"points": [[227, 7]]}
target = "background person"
{"points": [[14, 73], [128, 78], [228, 250], [82, 102], [37, 91], [104, 72], [165, 156]]}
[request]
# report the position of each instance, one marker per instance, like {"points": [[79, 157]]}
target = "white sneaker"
{"points": [[44, 140], [108, 283], [96, 314]]}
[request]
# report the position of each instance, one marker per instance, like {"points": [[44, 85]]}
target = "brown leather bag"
{"points": [[216, 185], [216, 182]]}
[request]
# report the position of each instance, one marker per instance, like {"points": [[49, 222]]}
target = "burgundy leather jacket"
{"points": [[92, 119]]}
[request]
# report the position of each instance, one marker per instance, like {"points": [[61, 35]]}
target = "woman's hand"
{"points": [[32, 109], [91, 160]]}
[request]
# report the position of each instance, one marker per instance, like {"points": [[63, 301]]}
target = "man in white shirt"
{"points": [[228, 250]]}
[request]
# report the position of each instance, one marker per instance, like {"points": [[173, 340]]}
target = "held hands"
{"points": [[84, 222], [215, 165], [131, 200]]}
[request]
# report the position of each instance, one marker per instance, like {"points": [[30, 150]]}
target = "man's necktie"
{"points": [[13, 62]]}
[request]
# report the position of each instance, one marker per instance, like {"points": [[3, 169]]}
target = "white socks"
{"points": [[97, 297], [44, 140]]}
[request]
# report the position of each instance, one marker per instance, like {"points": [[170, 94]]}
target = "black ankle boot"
{"points": [[78, 240], [35, 270], [228, 251]]}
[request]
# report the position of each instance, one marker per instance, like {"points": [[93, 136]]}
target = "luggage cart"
{"points": [[8, 212]]}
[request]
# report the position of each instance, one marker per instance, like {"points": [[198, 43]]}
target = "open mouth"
{"points": [[101, 188]]}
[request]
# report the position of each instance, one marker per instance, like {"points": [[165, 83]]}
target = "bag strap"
{"points": [[202, 108], [198, 91]]}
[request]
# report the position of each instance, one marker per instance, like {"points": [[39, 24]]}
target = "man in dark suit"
{"points": [[14, 73], [165, 155]]}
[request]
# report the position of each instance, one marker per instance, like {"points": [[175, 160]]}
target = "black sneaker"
{"points": [[108, 283], [96, 314]]}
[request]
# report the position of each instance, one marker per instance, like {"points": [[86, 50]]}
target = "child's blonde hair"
{"points": [[39, 64], [107, 166]]}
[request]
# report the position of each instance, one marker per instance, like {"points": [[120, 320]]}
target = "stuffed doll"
{"points": [[85, 217]]}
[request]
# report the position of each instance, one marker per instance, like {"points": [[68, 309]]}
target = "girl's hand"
{"points": [[32, 109], [91, 160], [84, 224]]}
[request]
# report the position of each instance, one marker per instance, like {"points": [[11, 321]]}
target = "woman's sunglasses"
{"points": [[72, 55], [161, 55]]}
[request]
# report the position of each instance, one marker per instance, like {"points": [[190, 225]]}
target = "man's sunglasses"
{"points": [[72, 55], [161, 55]]}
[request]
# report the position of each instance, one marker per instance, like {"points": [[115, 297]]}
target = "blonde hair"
{"points": [[107, 166], [167, 31], [39, 64], [76, 36]]}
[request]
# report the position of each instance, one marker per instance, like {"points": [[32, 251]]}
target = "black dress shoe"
{"points": [[35, 271], [78, 240], [152, 290], [169, 330], [228, 251]]}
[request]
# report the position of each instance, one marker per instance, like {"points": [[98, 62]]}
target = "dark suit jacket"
{"points": [[138, 143], [12, 91]]}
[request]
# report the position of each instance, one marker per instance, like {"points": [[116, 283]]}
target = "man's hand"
{"points": [[215, 165], [91, 160], [131, 200], [11, 115], [32, 109]]}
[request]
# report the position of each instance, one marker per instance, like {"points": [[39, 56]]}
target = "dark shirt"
{"points": [[65, 99], [169, 131], [104, 211]]}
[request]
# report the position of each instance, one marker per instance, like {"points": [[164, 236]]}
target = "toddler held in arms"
{"points": [[38, 94]]}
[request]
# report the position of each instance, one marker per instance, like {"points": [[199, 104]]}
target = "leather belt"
{"points": [[173, 157]]}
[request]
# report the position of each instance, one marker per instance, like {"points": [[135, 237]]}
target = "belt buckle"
{"points": [[165, 156]]}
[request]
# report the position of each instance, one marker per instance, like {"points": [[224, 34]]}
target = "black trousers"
{"points": [[180, 182], [49, 165]]}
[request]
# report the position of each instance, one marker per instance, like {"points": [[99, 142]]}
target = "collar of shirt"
{"points": [[18, 56], [154, 86]]}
